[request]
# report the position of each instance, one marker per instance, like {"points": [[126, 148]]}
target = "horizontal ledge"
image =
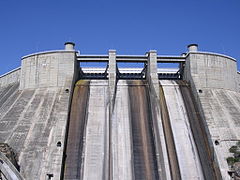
{"points": [[49, 52], [213, 54], [129, 58], [92, 58]]}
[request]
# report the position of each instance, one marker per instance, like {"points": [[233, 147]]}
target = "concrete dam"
{"points": [[66, 115]]}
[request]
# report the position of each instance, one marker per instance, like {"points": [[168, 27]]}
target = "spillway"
{"points": [[133, 155], [124, 145]]}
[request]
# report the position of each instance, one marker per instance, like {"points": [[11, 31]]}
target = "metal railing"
{"points": [[129, 66]]}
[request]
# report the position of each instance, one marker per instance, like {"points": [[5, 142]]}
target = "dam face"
{"points": [[133, 152], [65, 120]]}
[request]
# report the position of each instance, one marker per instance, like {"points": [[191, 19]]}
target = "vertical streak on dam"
{"points": [[133, 145], [121, 135], [77, 122], [185, 145], [145, 165], [172, 154], [199, 134], [96, 146], [87, 144]]}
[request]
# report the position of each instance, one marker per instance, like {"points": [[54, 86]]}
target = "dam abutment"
{"points": [[207, 73]]}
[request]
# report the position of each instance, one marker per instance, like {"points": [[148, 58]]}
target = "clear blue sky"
{"points": [[129, 26]]}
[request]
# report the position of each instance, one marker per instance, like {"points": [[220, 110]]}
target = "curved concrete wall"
{"points": [[47, 69], [209, 70]]}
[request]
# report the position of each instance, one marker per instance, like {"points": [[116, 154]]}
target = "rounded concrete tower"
{"points": [[210, 70]]}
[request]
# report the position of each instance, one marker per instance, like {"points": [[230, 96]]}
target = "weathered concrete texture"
{"points": [[143, 146], [238, 82], [9, 78], [211, 171], [157, 120], [132, 154], [160, 136], [97, 132], [52, 69], [187, 154], [112, 73], [75, 136], [152, 76], [211, 71], [222, 112], [214, 79], [88, 134], [32, 122], [122, 160], [6, 92], [169, 138]]}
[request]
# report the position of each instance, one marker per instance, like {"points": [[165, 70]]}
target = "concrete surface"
{"points": [[187, 154], [199, 133], [76, 133], [238, 82], [32, 122], [53, 69], [10, 77], [132, 154], [222, 112], [112, 74], [35, 136], [152, 69], [215, 84], [122, 160], [169, 138], [96, 136], [211, 71], [143, 145]]}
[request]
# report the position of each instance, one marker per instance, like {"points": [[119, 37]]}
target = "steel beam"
{"points": [[130, 58]]}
